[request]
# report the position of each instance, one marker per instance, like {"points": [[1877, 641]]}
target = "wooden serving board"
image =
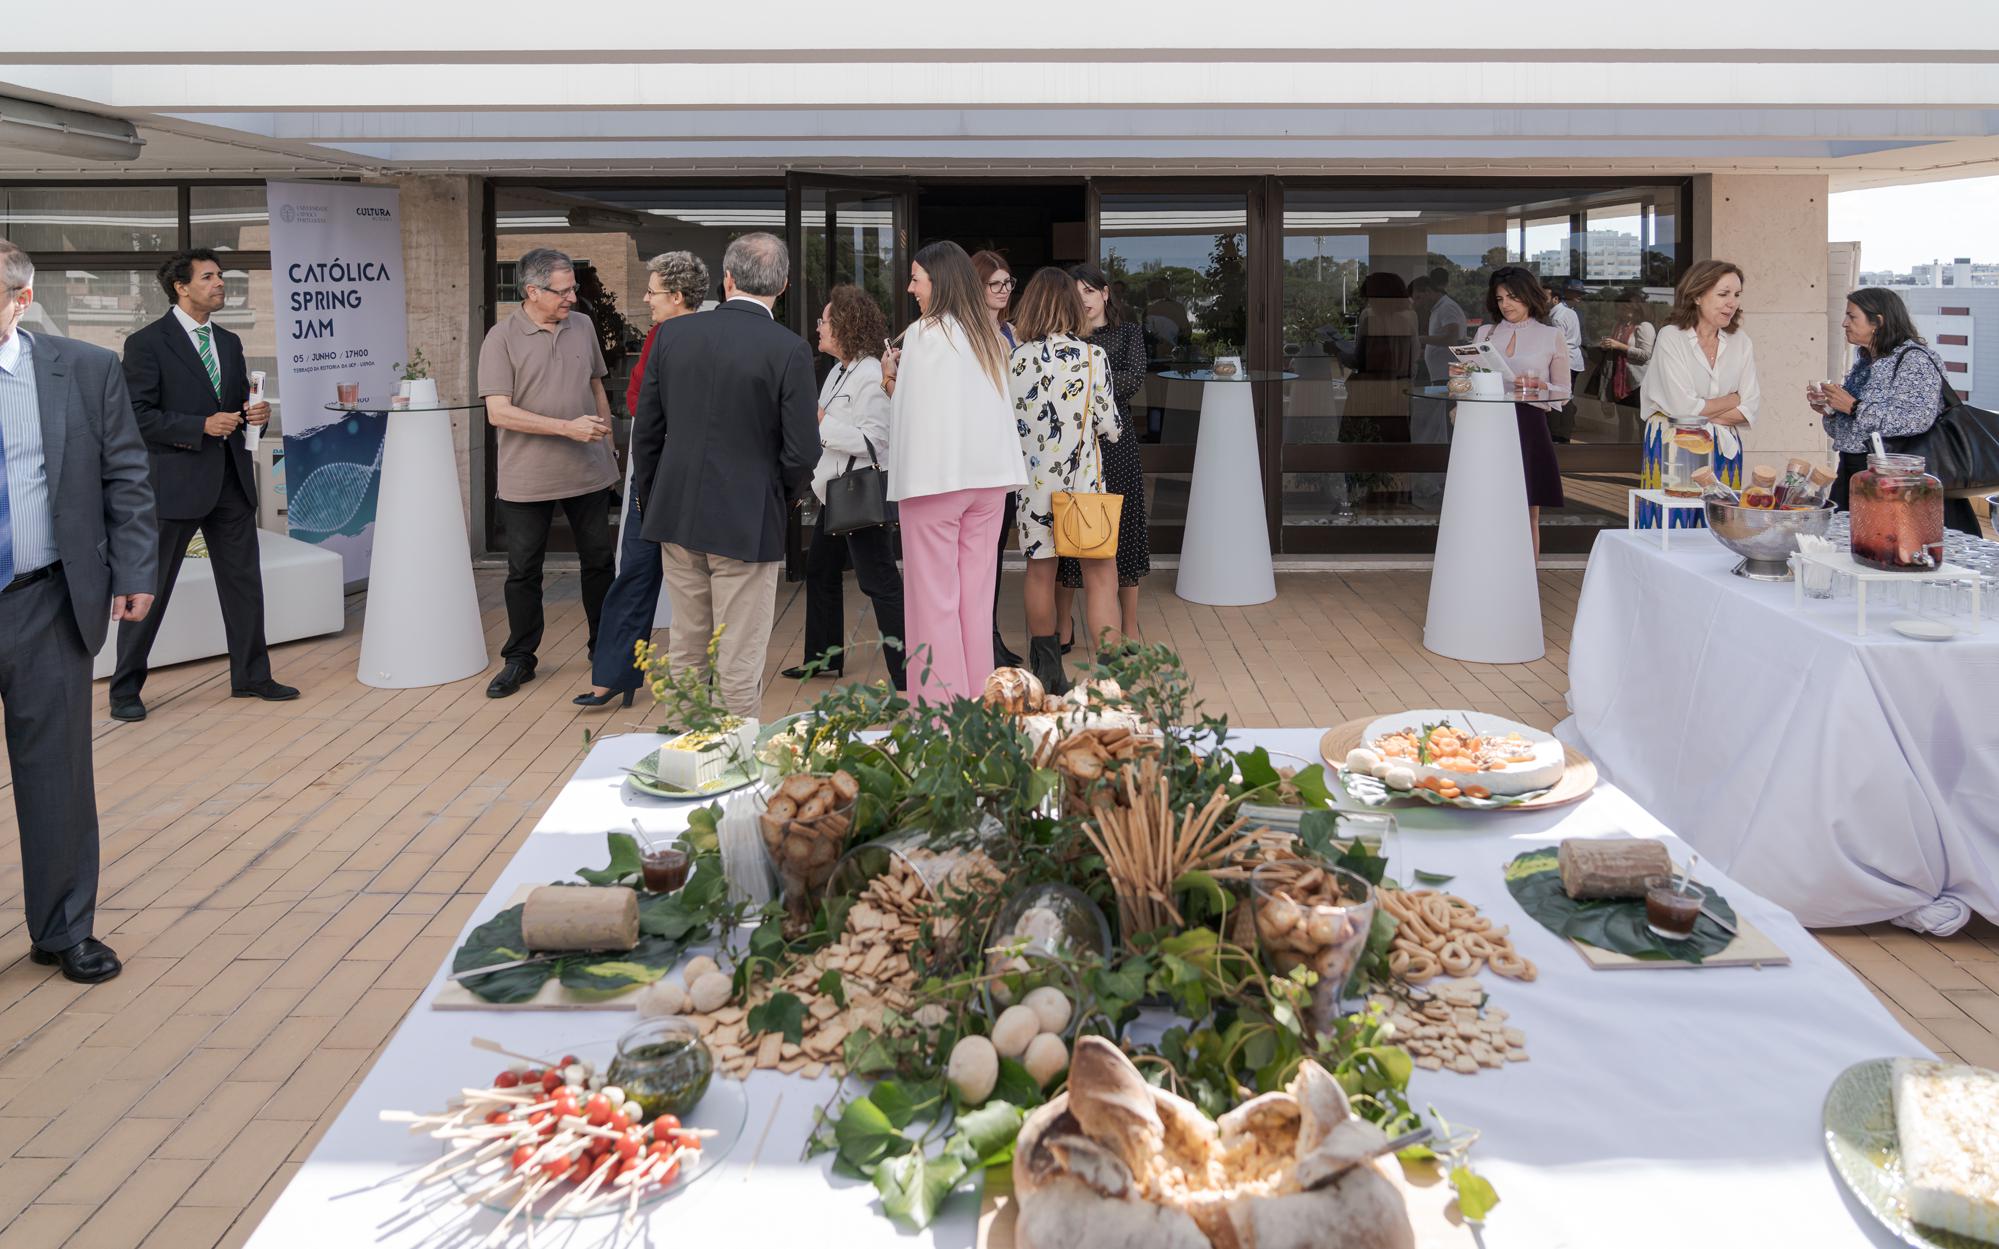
{"points": [[1752, 947], [1433, 1211], [554, 995], [1576, 784]]}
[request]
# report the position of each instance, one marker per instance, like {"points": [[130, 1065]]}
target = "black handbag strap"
{"points": [[872, 458]]}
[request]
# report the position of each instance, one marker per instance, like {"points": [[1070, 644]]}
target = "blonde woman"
{"points": [[953, 459], [1063, 405]]}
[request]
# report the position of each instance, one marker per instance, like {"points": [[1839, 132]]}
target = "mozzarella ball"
{"points": [[662, 997], [1400, 778], [1361, 759], [710, 992], [973, 1070], [1014, 1029], [697, 967], [1050, 1005], [1046, 1057]]}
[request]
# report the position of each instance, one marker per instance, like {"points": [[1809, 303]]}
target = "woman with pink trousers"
{"points": [[953, 457]]}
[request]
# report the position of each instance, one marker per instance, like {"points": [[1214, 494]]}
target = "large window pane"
{"points": [[1378, 282], [229, 218], [849, 240], [108, 218]]}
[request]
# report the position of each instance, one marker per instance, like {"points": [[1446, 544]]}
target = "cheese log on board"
{"points": [[1947, 1120], [580, 917], [1614, 867]]}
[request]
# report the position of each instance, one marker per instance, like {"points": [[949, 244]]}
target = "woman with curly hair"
{"points": [[853, 429], [676, 284]]}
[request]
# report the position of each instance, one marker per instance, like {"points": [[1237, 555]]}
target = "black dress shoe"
{"points": [[129, 709], [269, 691], [87, 962], [510, 680], [598, 700], [800, 674]]}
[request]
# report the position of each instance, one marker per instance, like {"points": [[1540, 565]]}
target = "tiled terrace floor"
{"points": [[282, 879]]}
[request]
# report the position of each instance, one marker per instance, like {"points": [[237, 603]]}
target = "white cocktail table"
{"points": [[1485, 601], [1225, 548]]}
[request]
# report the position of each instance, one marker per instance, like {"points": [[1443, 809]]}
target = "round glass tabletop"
{"points": [[1208, 375], [1443, 392], [390, 407]]}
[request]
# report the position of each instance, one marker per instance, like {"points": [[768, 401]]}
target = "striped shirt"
{"points": [[27, 477]]}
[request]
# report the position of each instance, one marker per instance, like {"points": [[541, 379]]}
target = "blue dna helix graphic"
{"points": [[332, 495]]}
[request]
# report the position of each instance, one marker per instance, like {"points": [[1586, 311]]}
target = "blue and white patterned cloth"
{"points": [[1899, 394], [24, 507]]}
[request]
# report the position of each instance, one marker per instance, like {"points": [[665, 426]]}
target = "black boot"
{"points": [[1002, 657], [1045, 661]]}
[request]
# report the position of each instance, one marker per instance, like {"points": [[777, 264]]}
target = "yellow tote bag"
{"points": [[1086, 525]]}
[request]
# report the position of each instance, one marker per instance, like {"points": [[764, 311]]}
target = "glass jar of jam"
{"points": [[1672, 906], [664, 870], [1897, 515], [1689, 447], [663, 1065]]}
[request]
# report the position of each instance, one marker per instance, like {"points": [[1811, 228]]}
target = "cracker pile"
{"points": [[1442, 934], [1452, 1031]]}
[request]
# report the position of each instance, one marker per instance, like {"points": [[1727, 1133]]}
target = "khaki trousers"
{"points": [[710, 592]]}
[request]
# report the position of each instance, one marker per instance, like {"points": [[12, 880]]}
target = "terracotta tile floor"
{"points": [[282, 880]]}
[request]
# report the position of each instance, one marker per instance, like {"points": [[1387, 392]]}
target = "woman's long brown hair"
{"points": [[956, 292]]}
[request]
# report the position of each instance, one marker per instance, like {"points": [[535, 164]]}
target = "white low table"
{"points": [[1631, 1073], [1225, 549], [1485, 599], [423, 625], [1849, 779], [304, 597]]}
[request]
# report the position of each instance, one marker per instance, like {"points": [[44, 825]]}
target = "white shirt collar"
{"points": [[10, 351], [753, 302], [187, 322]]}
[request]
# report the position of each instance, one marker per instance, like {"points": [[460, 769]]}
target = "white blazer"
{"points": [[856, 409], [950, 427], [1679, 382]]}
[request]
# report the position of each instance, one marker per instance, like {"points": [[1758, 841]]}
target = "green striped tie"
{"points": [[208, 359]]}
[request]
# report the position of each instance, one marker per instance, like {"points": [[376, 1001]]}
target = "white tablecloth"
{"points": [[1849, 779], [1660, 1108]]}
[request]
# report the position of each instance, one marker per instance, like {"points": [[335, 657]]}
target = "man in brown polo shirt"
{"points": [[541, 374]]}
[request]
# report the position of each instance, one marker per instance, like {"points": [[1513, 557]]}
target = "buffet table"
{"points": [[1849, 779], [1694, 1092]]}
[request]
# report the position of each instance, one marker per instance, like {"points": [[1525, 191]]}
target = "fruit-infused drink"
{"points": [[1897, 515], [1689, 447]]}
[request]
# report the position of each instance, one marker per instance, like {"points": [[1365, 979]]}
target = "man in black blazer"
{"points": [[191, 394], [77, 545], [725, 438]]}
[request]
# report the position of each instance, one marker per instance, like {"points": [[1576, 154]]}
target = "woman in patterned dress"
{"points": [[1062, 403], [1123, 344], [1703, 366]]}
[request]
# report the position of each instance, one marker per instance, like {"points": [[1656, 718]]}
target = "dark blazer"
{"points": [[172, 398], [106, 534], [726, 432]]}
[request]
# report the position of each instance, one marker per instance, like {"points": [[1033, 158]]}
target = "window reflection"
{"points": [[46, 220]]}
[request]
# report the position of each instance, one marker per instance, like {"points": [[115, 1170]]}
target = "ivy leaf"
{"points": [[625, 862], [895, 1102], [912, 1186], [1476, 1197], [832, 985], [1256, 768], [1363, 862], [1434, 878], [767, 941], [1316, 831], [1015, 1085], [1312, 787], [866, 1136], [985, 1136], [781, 1013], [866, 1053]]}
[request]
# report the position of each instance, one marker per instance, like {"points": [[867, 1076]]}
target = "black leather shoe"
{"points": [[89, 961], [1003, 657], [598, 700], [269, 691], [510, 680], [129, 709], [800, 674]]}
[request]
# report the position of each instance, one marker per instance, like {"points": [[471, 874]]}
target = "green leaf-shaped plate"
{"points": [[1859, 1122]]}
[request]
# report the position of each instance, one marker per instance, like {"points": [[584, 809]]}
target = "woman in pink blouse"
{"points": [[1519, 327]]}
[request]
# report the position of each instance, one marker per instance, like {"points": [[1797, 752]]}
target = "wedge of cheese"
{"points": [[695, 759], [1947, 1118]]}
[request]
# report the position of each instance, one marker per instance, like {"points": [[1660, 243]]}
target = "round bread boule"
{"points": [[973, 1070], [1016, 1027], [711, 992], [662, 997], [697, 967], [1050, 1005]]}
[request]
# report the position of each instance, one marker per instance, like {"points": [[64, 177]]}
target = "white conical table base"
{"points": [[423, 624], [1485, 601], [1225, 548]]}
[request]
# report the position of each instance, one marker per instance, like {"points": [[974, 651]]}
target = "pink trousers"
{"points": [[950, 552]]}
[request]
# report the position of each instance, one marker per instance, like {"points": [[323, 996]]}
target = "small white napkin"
{"points": [[1816, 576]]}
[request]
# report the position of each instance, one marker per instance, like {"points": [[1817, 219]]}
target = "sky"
{"points": [[1903, 226]]}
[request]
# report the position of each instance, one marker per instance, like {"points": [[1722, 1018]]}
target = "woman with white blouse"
{"points": [[853, 432], [1519, 325], [953, 459], [1703, 368]]}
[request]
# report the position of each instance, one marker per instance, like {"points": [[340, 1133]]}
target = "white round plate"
{"points": [[1926, 630]]}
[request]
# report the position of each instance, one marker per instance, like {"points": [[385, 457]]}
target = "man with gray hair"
{"points": [[78, 547], [541, 372], [724, 441]]}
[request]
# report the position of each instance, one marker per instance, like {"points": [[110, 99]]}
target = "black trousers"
{"points": [[1957, 513], [1007, 520], [629, 604], [525, 531], [45, 691], [230, 530], [873, 554]]}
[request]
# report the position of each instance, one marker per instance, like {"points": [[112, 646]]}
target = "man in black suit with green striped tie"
{"points": [[191, 395]]}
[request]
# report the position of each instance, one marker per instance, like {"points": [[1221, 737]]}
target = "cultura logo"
{"points": [[371, 212]]}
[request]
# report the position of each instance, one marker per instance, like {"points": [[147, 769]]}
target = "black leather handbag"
{"points": [[1960, 449], [858, 498]]}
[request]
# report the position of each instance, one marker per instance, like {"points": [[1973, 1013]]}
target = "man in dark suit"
{"points": [[724, 439], [191, 395], [77, 547]]}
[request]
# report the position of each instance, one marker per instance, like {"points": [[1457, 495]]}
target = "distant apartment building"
{"points": [[1952, 320]]}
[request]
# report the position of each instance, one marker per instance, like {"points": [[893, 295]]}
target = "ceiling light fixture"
{"points": [[66, 132]]}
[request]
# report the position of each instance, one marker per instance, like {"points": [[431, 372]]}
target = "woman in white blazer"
{"points": [[1703, 368], [853, 432], [953, 460]]}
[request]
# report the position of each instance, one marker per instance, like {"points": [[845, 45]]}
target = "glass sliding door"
{"points": [[848, 232]]}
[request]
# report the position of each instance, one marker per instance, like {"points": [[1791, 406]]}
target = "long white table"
{"points": [[1850, 779], [1659, 1108]]}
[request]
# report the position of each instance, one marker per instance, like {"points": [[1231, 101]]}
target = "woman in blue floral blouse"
{"points": [[1895, 389], [1062, 403]]}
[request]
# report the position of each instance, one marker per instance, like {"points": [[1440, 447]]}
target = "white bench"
{"points": [[304, 596]]}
